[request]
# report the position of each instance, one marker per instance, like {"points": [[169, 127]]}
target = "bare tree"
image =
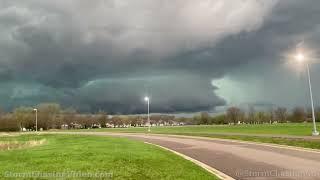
{"points": [[125, 120], [69, 117], [281, 114], [271, 115], [155, 119], [48, 115], [102, 119], [234, 114], [133, 120], [24, 117], [139, 120], [298, 114], [8, 123], [261, 117], [116, 121], [317, 113], [251, 115]]}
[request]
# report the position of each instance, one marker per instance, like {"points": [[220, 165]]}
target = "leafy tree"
{"points": [[204, 118], [196, 119], [219, 119]]}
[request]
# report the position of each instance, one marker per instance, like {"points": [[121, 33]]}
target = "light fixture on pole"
{"points": [[147, 99], [301, 59], [36, 110]]}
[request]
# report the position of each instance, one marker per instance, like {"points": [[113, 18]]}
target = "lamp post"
{"points": [[147, 99], [300, 58], [36, 110]]}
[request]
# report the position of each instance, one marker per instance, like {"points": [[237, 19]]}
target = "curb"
{"points": [[210, 169]]}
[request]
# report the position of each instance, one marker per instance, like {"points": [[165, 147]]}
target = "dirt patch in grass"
{"points": [[8, 134], [8, 145]]}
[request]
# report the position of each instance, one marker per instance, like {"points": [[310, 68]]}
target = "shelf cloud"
{"points": [[108, 54]]}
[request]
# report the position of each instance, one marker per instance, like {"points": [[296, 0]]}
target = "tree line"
{"points": [[53, 116], [235, 115]]}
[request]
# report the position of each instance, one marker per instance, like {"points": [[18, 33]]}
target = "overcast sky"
{"points": [[187, 55]]}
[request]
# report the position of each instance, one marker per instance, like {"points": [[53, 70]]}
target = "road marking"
{"points": [[210, 169]]}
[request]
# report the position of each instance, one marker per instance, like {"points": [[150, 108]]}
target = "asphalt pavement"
{"points": [[239, 160]]}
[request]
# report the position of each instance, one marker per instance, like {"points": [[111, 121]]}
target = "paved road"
{"points": [[240, 160], [295, 137]]}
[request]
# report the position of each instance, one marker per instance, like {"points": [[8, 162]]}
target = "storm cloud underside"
{"points": [[108, 54]]}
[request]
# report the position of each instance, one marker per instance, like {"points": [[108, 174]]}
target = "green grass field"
{"points": [[246, 132], [120, 158], [300, 129]]}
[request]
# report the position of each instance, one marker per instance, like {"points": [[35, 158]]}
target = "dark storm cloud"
{"points": [[267, 77], [107, 54], [167, 94]]}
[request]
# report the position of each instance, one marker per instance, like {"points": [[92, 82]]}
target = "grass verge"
{"points": [[252, 132], [295, 129], [313, 144], [116, 158]]}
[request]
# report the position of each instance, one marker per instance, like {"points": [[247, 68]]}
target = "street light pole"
{"points": [[36, 110], [314, 132], [147, 99], [300, 58], [149, 115]]}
